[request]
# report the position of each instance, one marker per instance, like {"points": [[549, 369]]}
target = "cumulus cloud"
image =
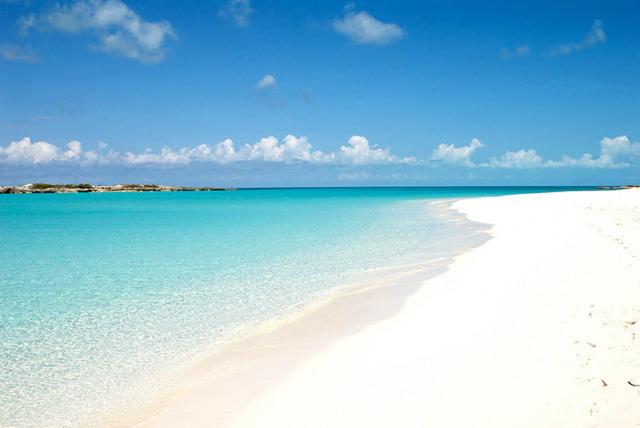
{"points": [[618, 152], [448, 153], [365, 29], [41, 152], [619, 146], [357, 151], [24, 151], [595, 37], [267, 81], [17, 53], [517, 52], [224, 151], [117, 28], [74, 150], [518, 159], [615, 152], [291, 149], [239, 11]]}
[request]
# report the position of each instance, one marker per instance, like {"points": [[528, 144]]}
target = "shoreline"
{"points": [[277, 346], [286, 341], [536, 327]]}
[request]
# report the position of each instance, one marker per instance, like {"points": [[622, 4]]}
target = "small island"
{"points": [[625, 186], [90, 188]]}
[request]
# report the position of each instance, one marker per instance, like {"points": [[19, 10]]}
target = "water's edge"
{"points": [[266, 353], [115, 304]]}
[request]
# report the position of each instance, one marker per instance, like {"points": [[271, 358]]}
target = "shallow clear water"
{"points": [[101, 292]]}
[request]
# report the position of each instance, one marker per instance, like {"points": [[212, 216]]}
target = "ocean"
{"points": [[103, 296]]}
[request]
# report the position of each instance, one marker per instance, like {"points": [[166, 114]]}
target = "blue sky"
{"points": [[255, 93]]}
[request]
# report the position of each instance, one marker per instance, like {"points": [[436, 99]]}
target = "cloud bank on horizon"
{"points": [[617, 152], [357, 151]]}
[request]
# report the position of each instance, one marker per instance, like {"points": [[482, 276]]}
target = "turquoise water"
{"points": [[101, 292]]}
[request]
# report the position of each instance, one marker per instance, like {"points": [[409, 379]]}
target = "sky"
{"points": [[251, 93]]}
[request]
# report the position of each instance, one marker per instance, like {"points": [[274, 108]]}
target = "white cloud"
{"points": [[364, 28], [292, 149], [24, 151], [587, 160], [518, 159], [266, 149], [267, 81], [619, 146], [166, 156], [118, 29], [618, 152], [239, 11], [595, 37], [517, 52], [74, 150], [42, 152], [448, 153], [357, 151], [224, 151], [615, 152], [17, 53]]}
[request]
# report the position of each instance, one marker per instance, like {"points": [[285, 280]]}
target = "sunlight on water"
{"points": [[101, 292]]}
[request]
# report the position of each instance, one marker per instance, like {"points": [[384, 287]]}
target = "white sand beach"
{"points": [[538, 327]]}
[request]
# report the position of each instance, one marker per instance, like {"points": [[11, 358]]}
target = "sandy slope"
{"points": [[539, 327]]}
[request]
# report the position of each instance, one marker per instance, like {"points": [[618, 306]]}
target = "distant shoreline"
{"points": [[129, 188], [90, 188]]}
